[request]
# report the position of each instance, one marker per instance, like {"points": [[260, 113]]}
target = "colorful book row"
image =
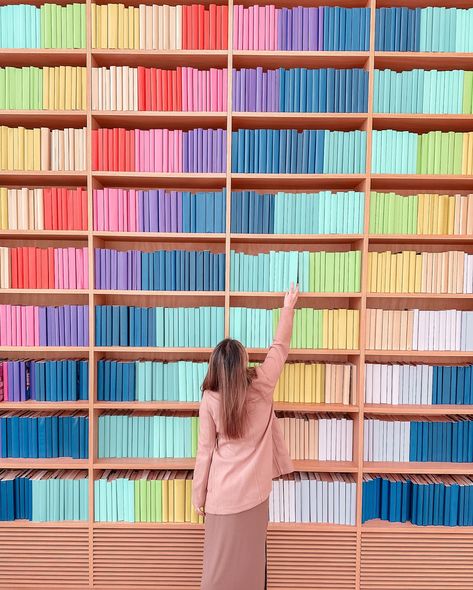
{"points": [[53, 88], [435, 152], [145, 496], [44, 381], [436, 29], [161, 270], [50, 26], [32, 325], [316, 383], [159, 150], [147, 381], [289, 151], [321, 28], [44, 496], [324, 437], [324, 212], [42, 149], [313, 497], [423, 91], [424, 214], [417, 329], [35, 437], [313, 328], [420, 272], [52, 208], [444, 439], [418, 384], [315, 272], [44, 268], [159, 436], [424, 500], [300, 90], [120, 325], [123, 88], [115, 26], [117, 209]]}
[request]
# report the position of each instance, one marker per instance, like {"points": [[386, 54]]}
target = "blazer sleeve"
{"points": [[270, 370], [205, 447]]}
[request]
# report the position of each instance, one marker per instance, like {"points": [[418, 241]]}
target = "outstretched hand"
{"points": [[291, 296]]}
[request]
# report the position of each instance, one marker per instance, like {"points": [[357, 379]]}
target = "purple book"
{"points": [[67, 323], [141, 224], [129, 272], [173, 203], [205, 163], [106, 277], [137, 272], [236, 79], [224, 150], [167, 211], [146, 210], [121, 270], [185, 150], [212, 162], [264, 97], [113, 256], [242, 93], [54, 318], [320, 37], [97, 269], [85, 320], [33, 392], [153, 211], [43, 326], [199, 154], [161, 209], [179, 210], [77, 328], [61, 325], [15, 381]]}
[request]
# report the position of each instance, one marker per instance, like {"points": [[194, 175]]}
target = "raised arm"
{"points": [[205, 446], [273, 364]]}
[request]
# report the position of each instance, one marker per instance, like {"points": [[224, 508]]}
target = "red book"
{"points": [[47, 213], [39, 276], [148, 89], [213, 26], [70, 209], [159, 89], [44, 268], [32, 274], [154, 88], [185, 26], [206, 38], [76, 209], [121, 150], [103, 143], [54, 198], [165, 84], [141, 88], [95, 150], [174, 92], [14, 267], [131, 143], [22, 261], [179, 88], [114, 146], [60, 209], [223, 21], [194, 27], [50, 268], [84, 208], [201, 26]]}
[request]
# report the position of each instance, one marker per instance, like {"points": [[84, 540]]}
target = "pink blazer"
{"points": [[234, 475]]}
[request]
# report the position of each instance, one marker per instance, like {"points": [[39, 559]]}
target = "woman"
{"points": [[240, 450]]}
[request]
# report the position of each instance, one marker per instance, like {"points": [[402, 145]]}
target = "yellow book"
{"points": [[84, 88], [470, 153], [437, 215], [62, 88], [36, 149], [130, 23], [340, 329], [24, 162], [69, 90], [451, 215], [179, 499], [290, 395], [405, 263], [3, 205], [29, 154], [392, 267], [76, 90], [356, 327], [104, 25], [297, 384], [442, 221], [125, 28], [11, 141], [16, 148], [46, 104], [136, 31], [411, 283], [94, 16], [4, 151], [372, 272], [189, 512], [418, 273], [165, 500], [325, 329], [120, 25], [321, 381], [171, 494], [308, 383]]}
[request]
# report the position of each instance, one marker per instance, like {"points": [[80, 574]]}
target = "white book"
{"points": [[305, 497], [396, 376], [178, 33], [285, 500], [155, 26], [331, 502], [407, 437], [341, 514], [415, 331], [118, 89], [425, 380], [112, 91], [142, 14], [349, 440], [323, 439], [297, 497], [337, 500], [391, 433], [366, 439], [325, 501], [292, 500], [338, 427], [312, 497], [273, 505], [368, 383]]}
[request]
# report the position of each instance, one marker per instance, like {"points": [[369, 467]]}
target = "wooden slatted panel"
{"points": [[311, 559], [44, 557], [415, 560], [148, 558]]}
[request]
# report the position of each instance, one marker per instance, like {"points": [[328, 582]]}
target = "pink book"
{"points": [[213, 91], [5, 380], [246, 25], [94, 210], [178, 152], [274, 18], [9, 326], [3, 326], [223, 92], [267, 28], [132, 200], [137, 141], [64, 268], [120, 209], [185, 106], [165, 150], [73, 270], [113, 209], [58, 283], [78, 255], [195, 91], [152, 149], [124, 201], [141, 154], [85, 265], [236, 26], [36, 326], [252, 44], [16, 326], [24, 326], [146, 149], [256, 28], [158, 152], [170, 151]]}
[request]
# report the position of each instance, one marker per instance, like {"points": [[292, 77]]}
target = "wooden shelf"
{"points": [[434, 410], [181, 180], [57, 463], [418, 468], [44, 406]]}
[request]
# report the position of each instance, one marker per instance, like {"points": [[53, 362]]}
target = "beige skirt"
{"points": [[235, 550]]}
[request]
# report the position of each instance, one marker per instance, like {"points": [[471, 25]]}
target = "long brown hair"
{"points": [[229, 374]]}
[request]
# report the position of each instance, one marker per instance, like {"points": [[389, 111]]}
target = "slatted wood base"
{"points": [[44, 557], [416, 560]]}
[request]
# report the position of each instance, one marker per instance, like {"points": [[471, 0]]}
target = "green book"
{"points": [[68, 34], [458, 152]]}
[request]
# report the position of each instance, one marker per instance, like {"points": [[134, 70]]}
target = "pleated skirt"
{"points": [[235, 550]]}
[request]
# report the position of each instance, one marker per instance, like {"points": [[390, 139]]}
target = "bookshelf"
{"points": [[374, 555]]}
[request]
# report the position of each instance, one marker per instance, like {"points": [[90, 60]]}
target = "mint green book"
{"points": [[467, 93], [451, 156], [137, 500], [458, 152], [129, 500], [59, 42], [97, 500], [114, 501]]}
